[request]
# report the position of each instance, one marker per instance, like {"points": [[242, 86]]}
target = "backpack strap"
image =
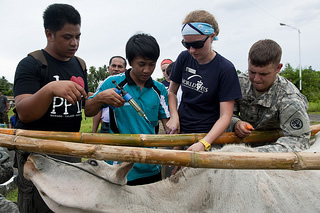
{"points": [[38, 54], [82, 63]]}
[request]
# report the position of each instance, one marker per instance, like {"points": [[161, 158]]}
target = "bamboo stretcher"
{"points": [[218, 160], [145, 140]]}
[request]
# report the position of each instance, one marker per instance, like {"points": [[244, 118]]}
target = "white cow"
{"points": [[66, 188]]}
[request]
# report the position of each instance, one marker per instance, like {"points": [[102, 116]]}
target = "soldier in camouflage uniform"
{"points": [[6, 172], [269, 101]]}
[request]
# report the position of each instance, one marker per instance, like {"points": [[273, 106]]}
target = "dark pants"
{"points": [[146, 180], [104, 128]]}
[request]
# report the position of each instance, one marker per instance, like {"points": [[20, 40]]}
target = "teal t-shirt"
{"points": [[153, 100]]}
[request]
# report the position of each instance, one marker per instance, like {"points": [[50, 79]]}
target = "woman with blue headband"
{"points": [[209, 83]]}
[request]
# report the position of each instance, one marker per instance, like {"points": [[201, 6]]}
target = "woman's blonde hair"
{"points": [[202, 16]]}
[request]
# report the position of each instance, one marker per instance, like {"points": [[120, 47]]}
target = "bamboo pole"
{"points": [[218, 160], [145, 140]]}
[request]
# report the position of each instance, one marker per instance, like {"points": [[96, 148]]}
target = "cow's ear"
{"points": [[122, 171]]}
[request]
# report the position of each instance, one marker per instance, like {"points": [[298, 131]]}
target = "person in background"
{"points": [[50, 100], [4, 109], [13, 118], [270, 101], [164, 64], [117, 65], [179, 93], [142, 53], [209, 83]]}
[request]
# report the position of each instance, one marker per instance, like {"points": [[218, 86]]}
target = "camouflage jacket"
{"points": [[281, 107]]}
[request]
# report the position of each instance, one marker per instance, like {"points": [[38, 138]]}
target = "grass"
{"points": [[13, 195], [86, 124], [314, 108]]}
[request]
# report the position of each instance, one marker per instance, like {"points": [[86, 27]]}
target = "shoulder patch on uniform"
{"points": [[296, 123]]}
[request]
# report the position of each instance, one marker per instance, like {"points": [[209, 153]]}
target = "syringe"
{"points": [[126, 96]]}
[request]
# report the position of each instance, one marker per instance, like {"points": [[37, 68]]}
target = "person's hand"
{"points": [[196, 147], [242, 129], [173, 126], [68, 90], [110, 97]]}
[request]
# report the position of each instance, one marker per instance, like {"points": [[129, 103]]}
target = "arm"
{"points": [[173, 125], [235, 117], [164, 123], [226, 109], [109, 96], [25, 103], [7, 107], [295, 124], [236, 125], [96, 121]]}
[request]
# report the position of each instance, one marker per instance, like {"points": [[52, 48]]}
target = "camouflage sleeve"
{"points": [[295, 124], [235, 118]]}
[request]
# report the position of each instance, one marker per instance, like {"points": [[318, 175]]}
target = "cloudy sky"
{"points": [[108, 24]]}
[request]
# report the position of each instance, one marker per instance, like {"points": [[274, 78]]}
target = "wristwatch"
{"points": [[207, 146]]}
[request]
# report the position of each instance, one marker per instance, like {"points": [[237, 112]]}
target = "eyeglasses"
{"points": [[194, 44]]}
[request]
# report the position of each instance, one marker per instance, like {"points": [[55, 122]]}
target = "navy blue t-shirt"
{"points": [[204, 86]]}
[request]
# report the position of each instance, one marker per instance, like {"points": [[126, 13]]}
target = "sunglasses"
{"points": [[194, 44]]}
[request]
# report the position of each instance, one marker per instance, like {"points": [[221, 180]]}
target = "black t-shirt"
{"points": [[29, 78]]}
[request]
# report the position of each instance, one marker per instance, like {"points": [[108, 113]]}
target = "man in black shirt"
{"points": [[50, 98]]}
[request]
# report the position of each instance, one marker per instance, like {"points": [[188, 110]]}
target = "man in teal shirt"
{"points": [[142, 52]]}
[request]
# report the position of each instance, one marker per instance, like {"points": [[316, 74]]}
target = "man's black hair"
{"points": [[57, 15], [118, 56], [142, 45], [169, 69]]}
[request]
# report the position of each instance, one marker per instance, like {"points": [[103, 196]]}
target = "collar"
{"points": [[148, 84], [264, 99]]}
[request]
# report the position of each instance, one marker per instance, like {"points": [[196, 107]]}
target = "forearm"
{"points": [[288, 144], [172, 100], [164, 123], [92, 107], [232, 124], [226, 109], [32, 107], [96, 121], [218, 128]]}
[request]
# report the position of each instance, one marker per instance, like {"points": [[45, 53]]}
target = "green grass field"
{"points": [[86, 124]]}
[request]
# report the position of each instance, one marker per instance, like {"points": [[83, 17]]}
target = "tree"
{"points": [[96, 76], [6, 87], [310, 81]]}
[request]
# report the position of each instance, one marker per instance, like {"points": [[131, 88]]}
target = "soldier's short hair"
{"points": [[265, 52]]}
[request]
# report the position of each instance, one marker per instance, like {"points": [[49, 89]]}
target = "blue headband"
{"points": [[197, 28]]}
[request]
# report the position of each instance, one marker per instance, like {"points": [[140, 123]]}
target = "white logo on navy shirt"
{"points": [[195, 84]]}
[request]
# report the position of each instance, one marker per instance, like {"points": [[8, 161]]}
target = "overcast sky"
{"points": [[108, 24]]}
